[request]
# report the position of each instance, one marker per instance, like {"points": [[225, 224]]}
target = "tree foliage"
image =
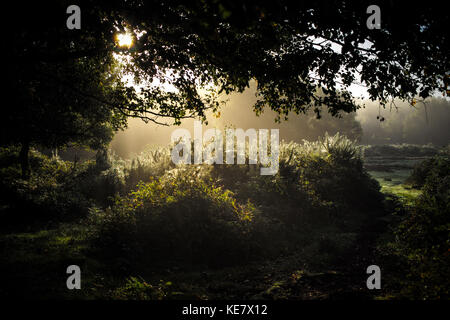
{"points": [[65, 85], [294, 51]]}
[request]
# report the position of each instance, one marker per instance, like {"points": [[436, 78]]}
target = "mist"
{"points": [[237, 112], [403, 123]]}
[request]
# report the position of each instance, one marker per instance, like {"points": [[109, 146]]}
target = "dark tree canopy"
{"points": [[65, 85], [287, 48]]}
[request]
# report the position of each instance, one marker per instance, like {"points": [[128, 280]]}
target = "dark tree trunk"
{"points": [[24, 161]]}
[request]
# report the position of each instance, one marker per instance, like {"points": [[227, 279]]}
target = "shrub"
{"points": [[422, 237], [56, 190], [428, 168], [178, 217], [46, 197]]}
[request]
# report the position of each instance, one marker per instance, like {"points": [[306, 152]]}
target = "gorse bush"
{"points": [[183, 185], [326, 177], [179, 216]]}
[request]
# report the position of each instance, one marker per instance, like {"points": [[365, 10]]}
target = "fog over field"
{"points": [[402, 123]]}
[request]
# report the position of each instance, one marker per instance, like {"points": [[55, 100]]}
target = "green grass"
{"points": [[392, 184], [405, 193]]}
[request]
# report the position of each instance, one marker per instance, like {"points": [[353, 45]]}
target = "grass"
{"points": [[37, 261], [392, 183]]}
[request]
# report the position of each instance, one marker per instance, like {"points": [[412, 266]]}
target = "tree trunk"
{"points": [[24, 161]]}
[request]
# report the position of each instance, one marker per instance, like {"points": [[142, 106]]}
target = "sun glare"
{"points": [[124, 40]]}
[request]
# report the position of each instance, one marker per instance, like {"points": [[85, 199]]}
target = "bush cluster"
{"points": [[228, 214]]}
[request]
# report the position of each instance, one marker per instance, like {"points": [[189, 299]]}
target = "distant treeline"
{"points": [[419, 124]]}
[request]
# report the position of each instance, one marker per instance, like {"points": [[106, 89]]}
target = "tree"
{"points": [[302, 55], [53, 104], [293, 50]]}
